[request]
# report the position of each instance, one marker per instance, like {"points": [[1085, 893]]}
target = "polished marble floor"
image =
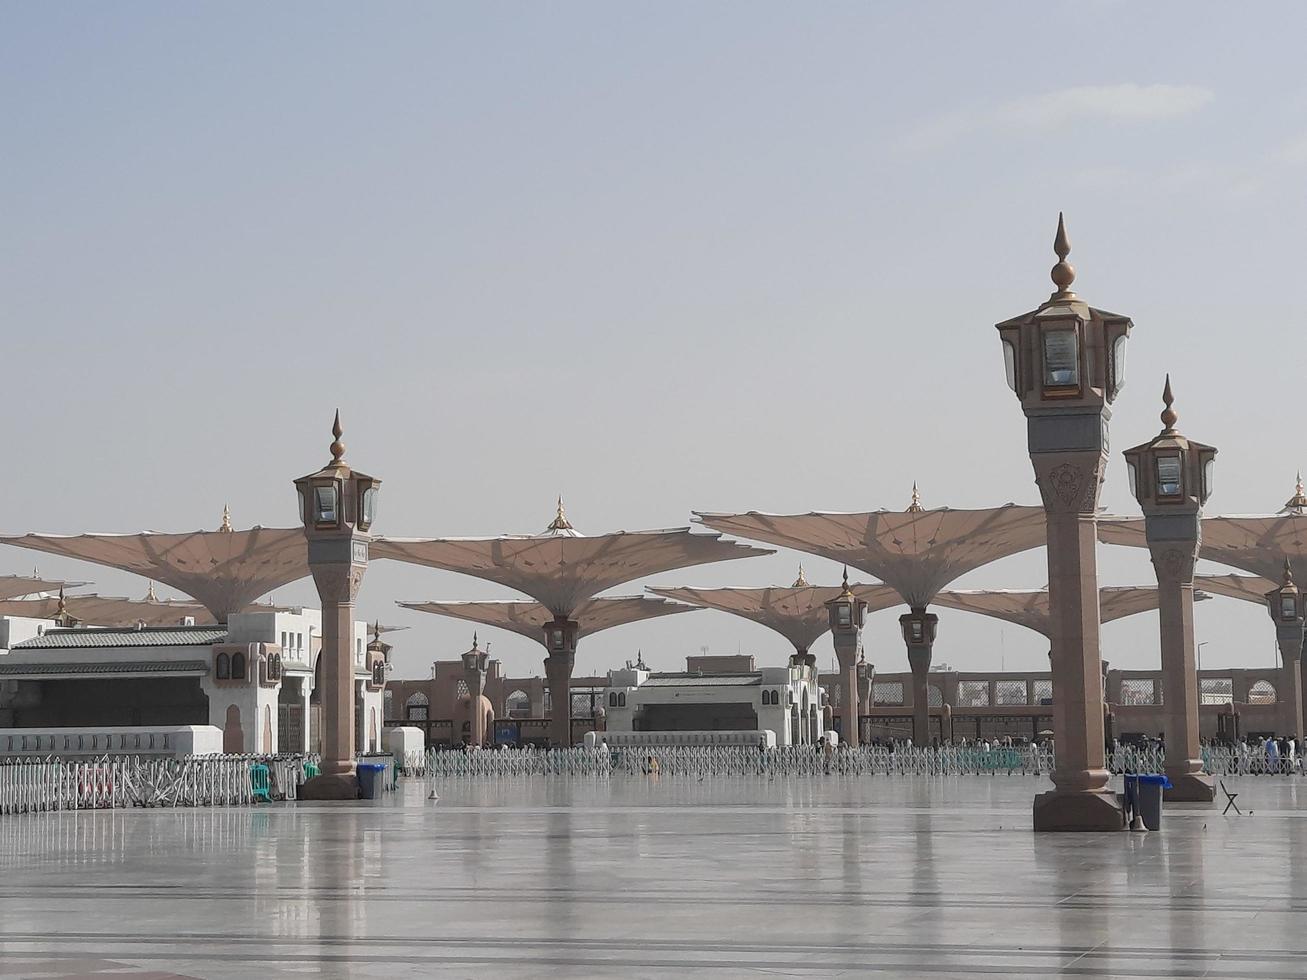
{"points": [[660, 878]]}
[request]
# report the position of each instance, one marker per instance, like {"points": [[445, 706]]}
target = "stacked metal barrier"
{"points": [[35, 785]]}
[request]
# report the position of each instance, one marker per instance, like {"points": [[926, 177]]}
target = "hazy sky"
{"points": [[654, 257]]}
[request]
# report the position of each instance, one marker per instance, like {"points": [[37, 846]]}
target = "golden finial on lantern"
{"points": [[226, 519], [1169, 416], [1063, 273], [800, 582], [915, 506], [337, 447]]}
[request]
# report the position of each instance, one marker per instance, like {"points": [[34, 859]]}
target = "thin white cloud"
{"points": [[1124, 103]]}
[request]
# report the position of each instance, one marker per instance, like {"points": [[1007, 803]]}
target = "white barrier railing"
{"points": [[731, 760]]}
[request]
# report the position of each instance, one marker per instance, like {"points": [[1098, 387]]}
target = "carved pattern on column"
{"points": [[1174, 563], [1065, 481]]}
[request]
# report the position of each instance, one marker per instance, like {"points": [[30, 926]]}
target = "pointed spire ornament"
{"points": [[1063, 273], [847, 591], [1286, 584], [915, 506], [474, 639], [1169, 416], [149, 594], [62, 610], [1297, 504], [560, 522], [800, 582], [337, 447], [225, 526]]}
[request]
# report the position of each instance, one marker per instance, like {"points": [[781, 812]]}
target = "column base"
{"points": [[1086, 812], [344, 786], [1191, 787]]}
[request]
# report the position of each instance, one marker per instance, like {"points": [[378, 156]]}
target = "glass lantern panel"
{"points": [[918, 632], [558, 639], [1288, 607], [324, 509], [1118, 364], [369, 505], [1010, 364], [844, 615], [1209, 472], [1168, 476], [1061, 358], [1133, 472]]}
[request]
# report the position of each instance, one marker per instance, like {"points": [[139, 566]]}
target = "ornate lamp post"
{"points": [[847, 613], [475, 663], [1171, 477], [1065, 362], [919, 634], [337, 506], [1288, 608]]}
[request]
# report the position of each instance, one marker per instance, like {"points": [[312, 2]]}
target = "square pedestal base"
{"points": [[1194, 787], [1083, 812], [340, 787]]}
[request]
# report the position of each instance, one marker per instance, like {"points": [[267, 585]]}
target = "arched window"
{"points": [[416, 707], [612, 699], [223, 667], [621, 700], [238, 666], [518, 705], [1263, 692]]}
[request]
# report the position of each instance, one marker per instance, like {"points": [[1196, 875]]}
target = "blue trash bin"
{"points": [[370, 777], [1143, 793]]}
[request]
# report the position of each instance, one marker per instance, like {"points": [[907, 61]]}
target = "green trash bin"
{"points": [[370, 776]]}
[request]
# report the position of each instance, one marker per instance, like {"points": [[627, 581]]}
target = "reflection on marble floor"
{"points": [[885, 876]]}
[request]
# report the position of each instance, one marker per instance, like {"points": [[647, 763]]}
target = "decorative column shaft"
{"points": [[919, 629], [1288, 609], [560, 642]]}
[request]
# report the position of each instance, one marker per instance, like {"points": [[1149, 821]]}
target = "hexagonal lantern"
{"points": [[1170, 473]]}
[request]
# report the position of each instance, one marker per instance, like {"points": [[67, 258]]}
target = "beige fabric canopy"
{"points": [[1257, 544], [530, 618], [1031, 610], [1250, 588], [917, 552], [97, 610], [224, 570], [561, 571], [14, 586], [796, 613]]}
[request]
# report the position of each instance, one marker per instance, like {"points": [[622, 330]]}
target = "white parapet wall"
{"points": [[165, 740], [621, 740]]}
